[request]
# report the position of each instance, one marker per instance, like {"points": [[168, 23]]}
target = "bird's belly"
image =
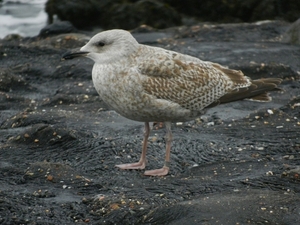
{"points": [[126, 96], [137, 105]]}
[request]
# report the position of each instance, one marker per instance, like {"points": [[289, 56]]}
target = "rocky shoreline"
{"points": [[238, 164], [167, 13]]}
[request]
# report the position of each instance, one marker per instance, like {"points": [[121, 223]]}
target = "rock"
{"points": [[238, 11], [292, 35], [81, 13], [13, 88], [59, 27], [292, 173], [161, 14], [11, 37], [59, 143], [43, 134], [149, 12], [113, 14], [269, 31], [9, 81]]}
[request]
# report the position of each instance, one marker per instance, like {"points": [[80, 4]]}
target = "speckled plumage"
{"points": [[147, 83], [154, 84]]}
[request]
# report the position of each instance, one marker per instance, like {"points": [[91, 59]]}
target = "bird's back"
{"points": [[185, 80]]}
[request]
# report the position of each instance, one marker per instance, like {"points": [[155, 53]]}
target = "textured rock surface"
{"points": [[60, 142], [292, 35]]}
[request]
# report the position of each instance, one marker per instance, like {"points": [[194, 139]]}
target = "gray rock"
{"points": [[292, 35], [59, 27], [114, 13]]}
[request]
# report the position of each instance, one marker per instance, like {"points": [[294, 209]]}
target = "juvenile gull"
{"points": [[147, 84]]}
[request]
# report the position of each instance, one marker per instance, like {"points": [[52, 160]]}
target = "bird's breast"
{"points": [[120, 89]]}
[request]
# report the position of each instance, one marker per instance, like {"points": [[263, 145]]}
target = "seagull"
{"points": [[147, 84]]}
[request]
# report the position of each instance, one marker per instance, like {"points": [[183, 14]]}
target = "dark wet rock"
{"points": [[76, 11], [167, 13], [150, 12], [8, 101], [43, 134], [13, 88], [12, 37], [293, 106], [113, 14], [10, 81], [61, 41], [238, 11], [292, 35], [291, 173], [264, 31], [52, 172], [287, 10], [59, 27], [59, 142]]}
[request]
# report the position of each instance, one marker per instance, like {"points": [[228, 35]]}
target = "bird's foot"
{"points": [[132, 166], [158, 172]]}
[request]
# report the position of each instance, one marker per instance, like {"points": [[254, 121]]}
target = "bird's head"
{"points": [[107, 46]]}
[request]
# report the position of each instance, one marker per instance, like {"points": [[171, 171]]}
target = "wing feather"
{"points": [[193, 84]]}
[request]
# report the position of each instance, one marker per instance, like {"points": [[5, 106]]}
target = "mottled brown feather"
{"points": [[257, 91], [195, 86], [236, 76], [191, 85]]}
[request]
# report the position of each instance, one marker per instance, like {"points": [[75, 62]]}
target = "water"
{"points": [[23, 17]]}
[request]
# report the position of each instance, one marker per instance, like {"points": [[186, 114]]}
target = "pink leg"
{"points": [[142, 162], [165, 169]]}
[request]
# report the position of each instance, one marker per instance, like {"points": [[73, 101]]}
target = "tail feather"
{"points": [[264, 97], [257, 91], [245, 88]]}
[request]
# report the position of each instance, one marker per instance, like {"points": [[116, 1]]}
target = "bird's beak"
{"points": [[72, 55]]}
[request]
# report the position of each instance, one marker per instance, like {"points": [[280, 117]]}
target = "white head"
{"points": [[107, 46], [110, 45]]}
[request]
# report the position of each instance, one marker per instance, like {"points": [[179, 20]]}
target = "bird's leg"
{"points": [[165, 169], [142, 162]]}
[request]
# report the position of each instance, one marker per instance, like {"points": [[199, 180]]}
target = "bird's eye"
{"points": [[100, 43]]}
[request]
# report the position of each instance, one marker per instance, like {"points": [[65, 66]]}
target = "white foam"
{"points": [[24, 17]]}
